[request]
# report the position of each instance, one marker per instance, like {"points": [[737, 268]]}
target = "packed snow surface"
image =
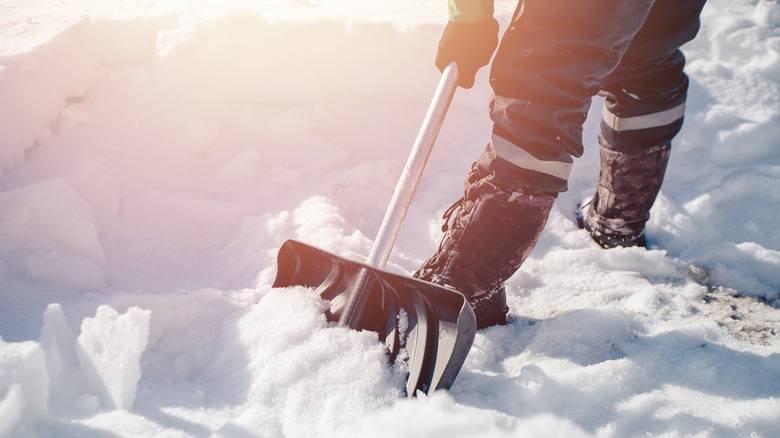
{"points": [[154, 155]]}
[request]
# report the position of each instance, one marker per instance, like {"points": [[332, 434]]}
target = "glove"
{"points": [[470, 45]]}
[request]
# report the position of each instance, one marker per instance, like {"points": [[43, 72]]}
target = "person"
{"points": [[553, 58]]}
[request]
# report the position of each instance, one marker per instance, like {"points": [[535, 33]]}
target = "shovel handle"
{"points": [[410, 178]]}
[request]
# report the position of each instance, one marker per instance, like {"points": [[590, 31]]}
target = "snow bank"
{"points": [[153, 159], [723, 176]]}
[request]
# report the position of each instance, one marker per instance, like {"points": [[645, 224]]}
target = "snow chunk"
{"points": [[59, 343], [239, 172], [55, 267], [11, 409], [24, 384], [320, 224], [73, 116], [109, 351], [767, 13], [47, 232]]}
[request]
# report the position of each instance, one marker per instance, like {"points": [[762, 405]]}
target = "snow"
{"points": [[154, 156]]}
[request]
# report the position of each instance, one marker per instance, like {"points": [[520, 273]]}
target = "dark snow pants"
{"points": [[556, 55]]}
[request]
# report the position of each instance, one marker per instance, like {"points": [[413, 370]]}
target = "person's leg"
{"points": [[487, 235], [548, 66], [644, 109]]}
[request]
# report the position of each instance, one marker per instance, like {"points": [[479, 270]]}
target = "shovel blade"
{"points": [[433, 324]]}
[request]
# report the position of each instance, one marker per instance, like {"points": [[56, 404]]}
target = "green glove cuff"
{"points": [[470, 11]]}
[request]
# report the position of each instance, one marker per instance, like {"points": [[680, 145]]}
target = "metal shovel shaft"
{"points": [[410, 178], [403, 194], [432, 325]]}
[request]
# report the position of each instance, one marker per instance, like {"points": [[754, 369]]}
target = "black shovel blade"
{"points": [[433, 325]]}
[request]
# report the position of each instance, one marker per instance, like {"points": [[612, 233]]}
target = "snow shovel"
{"points": [[427, 328]]}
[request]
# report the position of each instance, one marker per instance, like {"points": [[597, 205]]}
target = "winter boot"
{"points": [[628, 184], [492, 232]]}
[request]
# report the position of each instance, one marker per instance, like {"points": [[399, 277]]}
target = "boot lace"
{"points": [[449, 212]]}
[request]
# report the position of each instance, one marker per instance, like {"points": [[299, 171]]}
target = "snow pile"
{"points": [[726, 217], [153, 158], [48, 235]]}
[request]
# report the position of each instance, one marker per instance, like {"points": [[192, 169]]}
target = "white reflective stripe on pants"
{"points": [[512, 153], [646, 121]]}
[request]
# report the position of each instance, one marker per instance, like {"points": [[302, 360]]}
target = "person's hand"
{"points": [[470, 45]]}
